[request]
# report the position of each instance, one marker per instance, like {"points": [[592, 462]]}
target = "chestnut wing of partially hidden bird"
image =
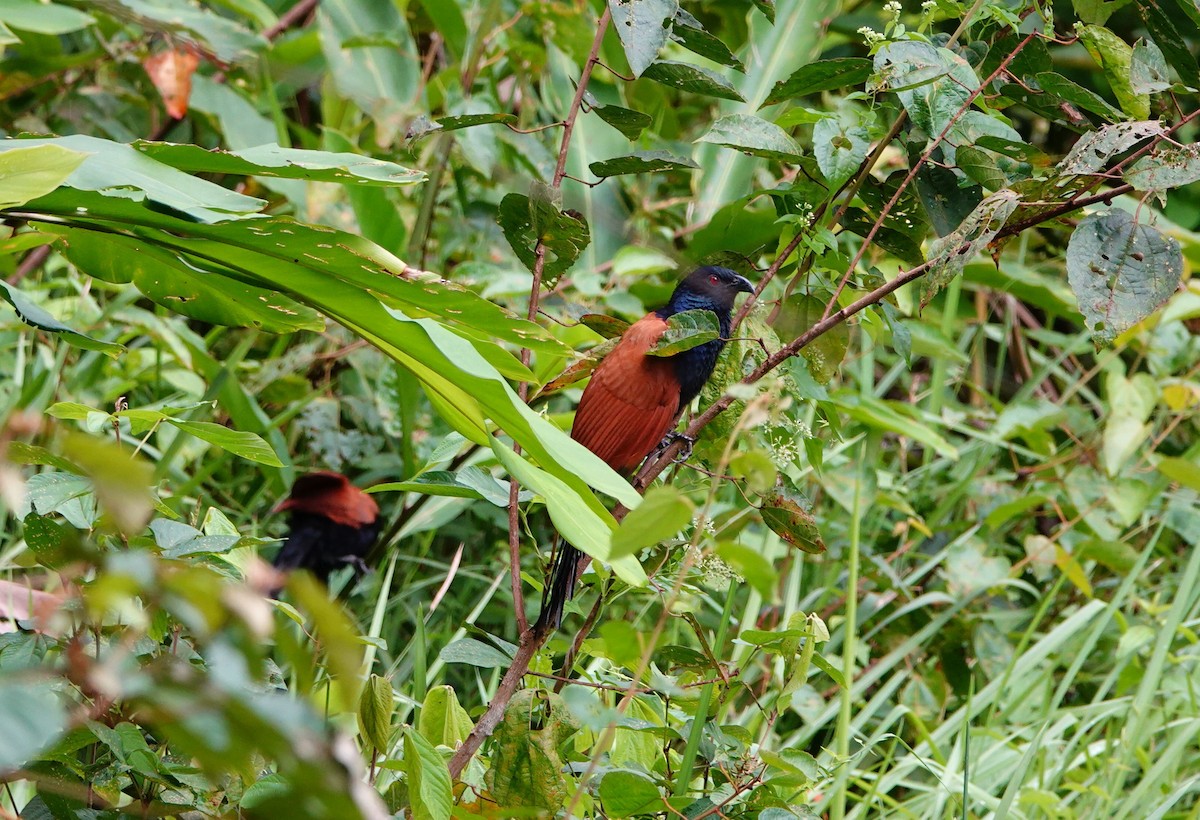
{"points": [[632, 400]]}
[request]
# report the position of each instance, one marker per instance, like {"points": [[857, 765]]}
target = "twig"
{"points": [[531, 641], [32, 261]]}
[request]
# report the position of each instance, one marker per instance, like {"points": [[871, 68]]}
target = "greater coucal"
{"points": [[332, 524], [634, 399]]}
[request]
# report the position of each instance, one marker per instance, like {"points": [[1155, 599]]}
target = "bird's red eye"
{"points": [[713, 278]]}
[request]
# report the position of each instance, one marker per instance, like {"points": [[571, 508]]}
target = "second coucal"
{"points": [[634, 399]]}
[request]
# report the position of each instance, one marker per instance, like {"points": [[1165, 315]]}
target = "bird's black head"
{"points": [[708, 288]]}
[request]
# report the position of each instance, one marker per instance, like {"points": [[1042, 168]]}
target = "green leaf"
{"points": [[265, 790], [469, 120], [897, 418], [1072, 92], [641, 25], [475, 653], [788, 519], [1168, 167], [168, 281], [822, 75], [1092, 152], [693, 79], [839, 150], [1184, 471], [933, 84], [27, 172], [1115, 57], [688, 32], [627, 794], [1126, 431], [685, 330], [230, 42], [238, 442], [640, 162], [754, 136], [825, 353], [628, 122], [664, 511], [1120, 271], [375, 707], [526, 765], [177, 539], [1174, 46], [32, 719], [33, 315], [980, 166], [443, 721], [429, 786], [582, 524], [43, 18], [1148, 69], [750, 564], [950, 254], [525, 220], [288, 163]]}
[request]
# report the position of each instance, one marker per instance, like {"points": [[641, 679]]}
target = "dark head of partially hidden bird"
{"points": [[331, 524]]}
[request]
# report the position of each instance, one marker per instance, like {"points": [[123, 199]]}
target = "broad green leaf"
{"points": [[229, 41], [688, 32], [1115, 57], [1168, 167], [839, 150], [456, 123], [792, 522], [238, 442], [475, 653], [685, 330], [1093, 151], [750, 564], [429, 787], [1126, 430], [1072, 92], [691, 78], [120, 171], [950, 254], [289, 163], [933, 84], [580, 523], [825, 353], [29, 172], [1121, 271], [177, 539], [443, 721], [642, 26], [628, 794], [167, 280], [1148, 69], [628, 122], [640, 162], [1160, 23], [526, 766], [272, 787], [664, 511], [1182, 470], [32, 314], [43, 18], [822, 75], [375, 707], [32, 718], [754, 136], [981, 167], [525, 220]]}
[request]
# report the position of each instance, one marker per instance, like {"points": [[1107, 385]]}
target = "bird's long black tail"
{"points": [[560, 589]]}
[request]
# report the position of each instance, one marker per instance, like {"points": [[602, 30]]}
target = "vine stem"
{"points": [[531, 640]]}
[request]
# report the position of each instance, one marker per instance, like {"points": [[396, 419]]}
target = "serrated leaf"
{"points": [[641, 26], [693, 79], [1120, 271], [793, 523], [629, 122], [1168, 167], [641, 162], [822, 75], [685, 330], [951, 253], [753, 135]]}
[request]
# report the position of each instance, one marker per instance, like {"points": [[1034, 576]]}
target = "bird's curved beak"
{"points": [[744, 285]]}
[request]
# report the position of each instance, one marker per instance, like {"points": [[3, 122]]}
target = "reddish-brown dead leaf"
{"points": [[171, 72]]}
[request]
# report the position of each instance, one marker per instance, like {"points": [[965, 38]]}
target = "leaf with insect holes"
{"points": [[793, 523], [685, 330], [527, 219], [1121, 271], [950, 254]]}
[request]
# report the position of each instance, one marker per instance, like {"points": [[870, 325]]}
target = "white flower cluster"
{"points": [[871, 37]]}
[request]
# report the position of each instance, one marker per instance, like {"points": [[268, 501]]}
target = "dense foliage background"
{"points": [[933, 557]]}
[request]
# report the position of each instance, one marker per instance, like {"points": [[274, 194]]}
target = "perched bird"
{"points": [[634, 399], [331, 524]]}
